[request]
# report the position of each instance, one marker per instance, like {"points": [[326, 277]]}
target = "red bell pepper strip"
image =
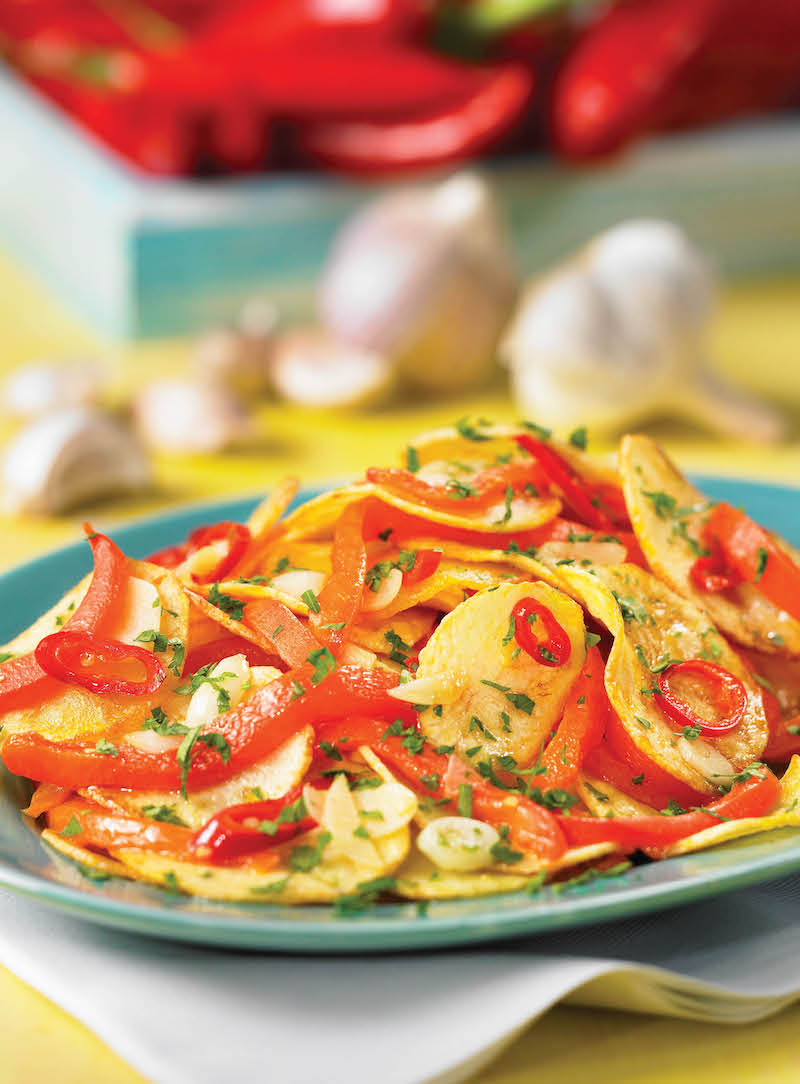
{"points": [[45, 798], [487, 487], [237, 536], [340, 597], [572, 488], [582, 725], [110, 828], [556, 649], [426, 563], [80, 658], [459, 131], [253, 730], [532, 828], [711, 573], [240, 830], [751, 551], [278, 625], [170, 556], [784, 743], [753, 797], [223, 647], [729, 694], [22, 680], [619, 761]]}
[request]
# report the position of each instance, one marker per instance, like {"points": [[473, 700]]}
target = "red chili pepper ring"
{"points": [[71, 657], [730, 697], [556, 649]]}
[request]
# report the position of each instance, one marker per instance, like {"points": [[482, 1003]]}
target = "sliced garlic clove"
{"points": [[232, 674], [147, 741], [458, 843], [41, 387], [69, 458], [707, 760], [298, 581], [386, 809], [190, 417], [444, 688], [387, 592], [314, 368]]}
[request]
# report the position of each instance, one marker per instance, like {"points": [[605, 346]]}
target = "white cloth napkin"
{"points": [[187, 1015]]}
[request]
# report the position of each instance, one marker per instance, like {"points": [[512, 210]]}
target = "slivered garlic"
{"points": [[458, 843], [204, 705], [298, 581], [147, 741], [441, 688], [705, 758], [386, 593]]}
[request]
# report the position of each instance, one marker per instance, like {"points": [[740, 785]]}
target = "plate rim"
{"points": [[398, 926]]}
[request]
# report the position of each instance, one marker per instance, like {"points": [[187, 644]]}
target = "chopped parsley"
{"points": [[630, 609], [412, 459], [469, 431], [509, 497], [673, 809], [290, 814], [157, 721], [521, 701], [324, 663], [366, 894], [107, 748], [305, 857], [214, 740], [234, 607], [164, 813], [578, 438], [762, 556], [664, 504], [73, 827], [537, 430]]}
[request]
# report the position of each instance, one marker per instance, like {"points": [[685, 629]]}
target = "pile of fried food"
{"points": [[502, 663]]}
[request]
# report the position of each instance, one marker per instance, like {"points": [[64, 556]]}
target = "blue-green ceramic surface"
{"points": [[29, 866]]}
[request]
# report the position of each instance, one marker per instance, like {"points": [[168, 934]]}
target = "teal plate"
{"points": [[30, 867]]}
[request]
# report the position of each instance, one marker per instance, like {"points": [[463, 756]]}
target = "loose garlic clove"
{"points": [[458, 844], [442, 688], [147, 741], [423, 276], [68, 458], [183, 416], [314, 368], [40, 387], [386, 593], [705, 759], [239, 357]]}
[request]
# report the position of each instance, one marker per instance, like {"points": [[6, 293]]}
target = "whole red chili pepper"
{"points": [[729, 694], [80, 658], [556, 649]]}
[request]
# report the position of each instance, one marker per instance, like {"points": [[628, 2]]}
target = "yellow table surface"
{"points": [[756, 342]]}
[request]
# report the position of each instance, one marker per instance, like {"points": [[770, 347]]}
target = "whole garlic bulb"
{"points": [[314, 368], [70, 457], [423, 276], [187, 416], [39, 387], [617, 333]]}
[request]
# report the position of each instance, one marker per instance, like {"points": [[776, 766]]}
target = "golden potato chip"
{"points": [[508, 702], [97, 864], [667, 514], [603, 799], [409, 625], [650, 625]]}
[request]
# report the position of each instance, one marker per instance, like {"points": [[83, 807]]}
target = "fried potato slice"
{"points": [[667, 514], [603, 798], [785, 815], [650, 622], [514, 718], [271, 777], [446, 588], [780, 676], [99, 866], [409, 625]]}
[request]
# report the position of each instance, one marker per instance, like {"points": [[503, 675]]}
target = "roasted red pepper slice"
{"points": [[253, 730], [711, 573], [340, 597], [223, 647], [487, 486], [110, 828], [277, 624], [76, 657], [531, 827], [245, 829], [556, 649], [753, 797], [581, 727], [22, 680], [729, 694], [237, 537], [426, 563], [750, 551], [571, 486]]}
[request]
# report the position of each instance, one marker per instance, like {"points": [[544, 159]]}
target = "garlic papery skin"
{"points": [[423, 276], [297, 581], [458, 844], [68, 458], [387, 592], [315, 368], [40, 387], [204, 704], [189, 417]]}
